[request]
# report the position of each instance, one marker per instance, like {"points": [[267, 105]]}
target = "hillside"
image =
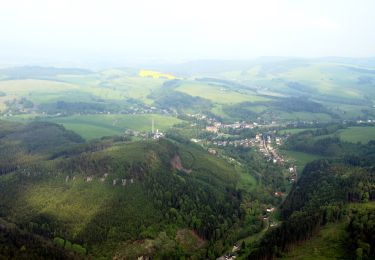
{"points": [[129, 162], [125, 199], [264, 90], [328, 192]]}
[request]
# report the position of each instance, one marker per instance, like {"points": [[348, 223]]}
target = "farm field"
{"points": [[355, 134], [327, 78], [95, 126], [74, 88], [358, 134], [134, 87], [294, 130], [301, 158]]}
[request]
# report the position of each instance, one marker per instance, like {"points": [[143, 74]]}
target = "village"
{"points": [[266, 142]]}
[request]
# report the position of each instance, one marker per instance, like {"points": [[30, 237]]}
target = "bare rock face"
{"points": [[176, 164]]}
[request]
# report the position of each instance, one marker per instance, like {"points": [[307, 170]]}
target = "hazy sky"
{"points": [[174, 30]]}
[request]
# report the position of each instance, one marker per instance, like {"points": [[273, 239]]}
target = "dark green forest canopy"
{"points": [[324, 194], [122, 190]]}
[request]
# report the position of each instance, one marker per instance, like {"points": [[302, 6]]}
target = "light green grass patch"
{"points": [[94, 126], [247, 181], [329, 243], [136, 87], [358, 134], [218, 110], [25, 86], [301, 158], [82, 80], [292, 131], [89, 132]]}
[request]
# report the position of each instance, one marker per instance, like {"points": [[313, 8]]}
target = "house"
{"points": [[279, 193], [212, 129], [212, 151], [157, 135]]}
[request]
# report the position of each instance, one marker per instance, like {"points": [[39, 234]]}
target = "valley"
{"points": [[127, 163]]}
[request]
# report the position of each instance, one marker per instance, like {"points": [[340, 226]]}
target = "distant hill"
{"points": [[37, 72]]}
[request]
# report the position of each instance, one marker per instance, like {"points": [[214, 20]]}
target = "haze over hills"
{"points": [[198, 163], [187, 129]]}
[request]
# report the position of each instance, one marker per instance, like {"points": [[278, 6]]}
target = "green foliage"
{"points": [[59, 241], [327, 243], [318, 198], [79, 249], [53, 197], [180, 101], [361, 233], [20, 244]]}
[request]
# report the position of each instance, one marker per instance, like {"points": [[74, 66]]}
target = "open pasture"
{"points": [[358, 134], [95, 126]]}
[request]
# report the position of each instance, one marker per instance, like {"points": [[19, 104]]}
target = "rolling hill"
{"points": [[112, 198]]}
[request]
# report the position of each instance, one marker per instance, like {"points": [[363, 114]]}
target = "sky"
{"points": [[110, 31]]}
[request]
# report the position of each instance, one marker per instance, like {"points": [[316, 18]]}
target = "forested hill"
{"points": [[326, 193], [22, 145], [114, 197]]}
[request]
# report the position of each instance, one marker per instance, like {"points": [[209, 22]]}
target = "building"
{"points": [[212, 129]]}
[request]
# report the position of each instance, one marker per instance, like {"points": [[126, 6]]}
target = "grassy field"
{"points": [[358, 134], [218, 94], [327, 244], [294, 130], [218, 110], [328, 79], [27, 86], [134, 87], [247, 182], [95, 126], [300, 158], [73, 88]]}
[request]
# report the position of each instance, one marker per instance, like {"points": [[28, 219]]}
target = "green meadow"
{"points": [[300, 158], [95, 126], [358, 134], [293, 130], [328, 243]]}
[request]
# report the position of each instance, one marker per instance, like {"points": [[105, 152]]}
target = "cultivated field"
{"points": [[358, 134]]}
